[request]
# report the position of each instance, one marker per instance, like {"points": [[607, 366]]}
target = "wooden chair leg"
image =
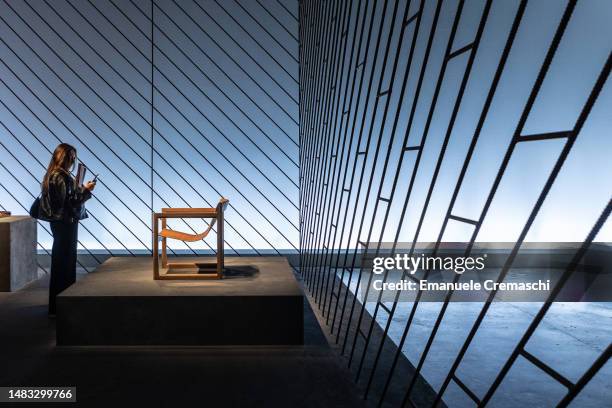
{"points": [[164, 250], [220, 254], [155, 247]]}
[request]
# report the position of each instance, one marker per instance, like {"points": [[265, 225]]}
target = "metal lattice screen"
{"points": [[414, 116], [222, 78]]}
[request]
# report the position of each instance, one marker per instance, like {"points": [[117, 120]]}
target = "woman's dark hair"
{"points": [[63, 158]]}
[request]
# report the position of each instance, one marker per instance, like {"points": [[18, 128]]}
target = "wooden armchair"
{"points": [[204, 270]]}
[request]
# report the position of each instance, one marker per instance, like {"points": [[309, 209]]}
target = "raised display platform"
{"points": [[259, 302]]}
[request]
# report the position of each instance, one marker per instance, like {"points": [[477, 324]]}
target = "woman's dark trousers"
{"points": [[63, 259]]}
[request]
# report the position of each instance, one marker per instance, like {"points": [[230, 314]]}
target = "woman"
{"points": [[62, 204]]}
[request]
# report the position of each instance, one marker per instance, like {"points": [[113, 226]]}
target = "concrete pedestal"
{"points": [[17, 252], [259, 302]]}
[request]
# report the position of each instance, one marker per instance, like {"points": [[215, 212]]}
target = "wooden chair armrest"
{"points": [[189, 212]]}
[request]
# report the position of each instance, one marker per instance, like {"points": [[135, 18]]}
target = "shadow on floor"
{"points": [[240, 271]]}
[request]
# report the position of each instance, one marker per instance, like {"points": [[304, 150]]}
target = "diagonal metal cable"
{"points": [[81, 99], [288, 12], [92, 215], [269, 33], [280, 149], [362, 73], [256, 104], [173, 148], [222, 175], [237, 65], [277, 20], [145, 160], [156, 152], [258, 44], [270, 76], [50, 152], [210, 121], [161, 177], [34, 86], [33, 197], [361, 131], [244, 113], [377, 96], [70, 109]]}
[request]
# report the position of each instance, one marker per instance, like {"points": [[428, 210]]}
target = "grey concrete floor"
{"points": [[289, 376], [569, 339]]}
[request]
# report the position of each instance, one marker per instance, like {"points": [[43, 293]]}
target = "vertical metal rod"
{"points": [[367, 196], [337, 159], [323, 188], [449, 130], [523, 119], [306, 129], [322, 45], [358, 101], [332, 192], [352, 107], [364, 164], [343, 154], [579, 254], [483, 115]]}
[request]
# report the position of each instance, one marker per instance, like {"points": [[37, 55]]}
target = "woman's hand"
{"points": [[90, 185]]}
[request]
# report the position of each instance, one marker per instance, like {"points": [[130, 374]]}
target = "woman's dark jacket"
{"points": [[64, 201]]}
